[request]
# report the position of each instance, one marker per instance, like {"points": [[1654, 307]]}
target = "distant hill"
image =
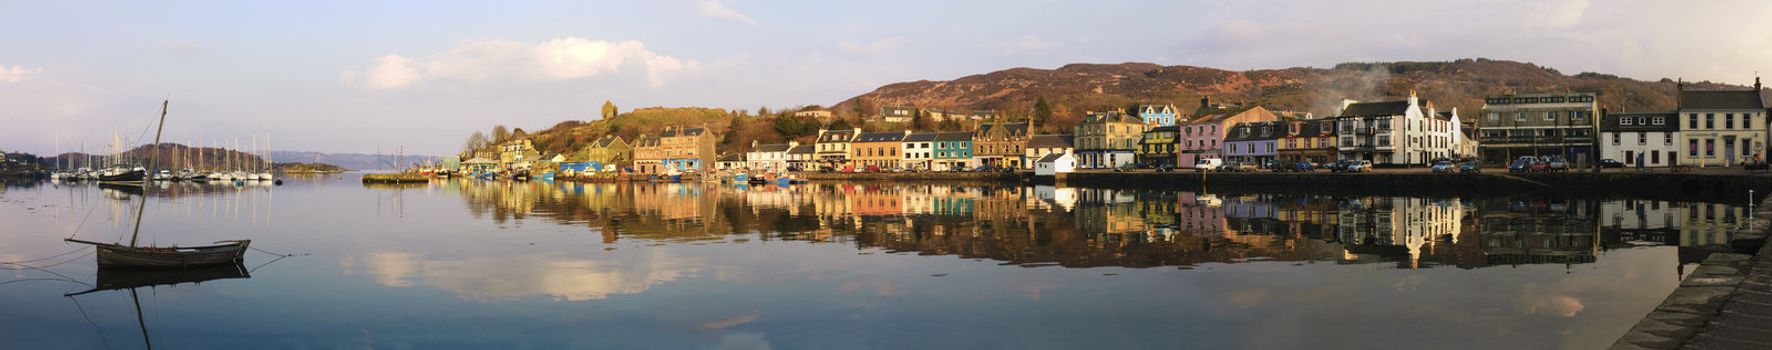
{"points": [[356, 161], [572, 135], [1077, 88], [170, 156]]}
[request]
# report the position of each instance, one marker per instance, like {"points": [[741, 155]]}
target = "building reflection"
{"points": [[1082, 227]]}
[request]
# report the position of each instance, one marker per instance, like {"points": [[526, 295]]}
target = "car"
{"points": [[1522, 164], [1336, 166], [1471, 167], [1444, 166], [1304, 166], [1243, 167], [1164, 168], [1611, 163], [1208, 164], [1125, 167], [1359, 166], [1278, 165], [1539, 167], [1557, 164]]}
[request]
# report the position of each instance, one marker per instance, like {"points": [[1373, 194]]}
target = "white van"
{"points": [[1208, 164]]}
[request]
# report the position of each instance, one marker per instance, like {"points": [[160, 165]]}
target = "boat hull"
{"points": [[127, 176], [116, 255]]}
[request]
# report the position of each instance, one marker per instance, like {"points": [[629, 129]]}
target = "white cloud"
{"points": [[1029, 42], [877, 46], [18, 73], [717, 9], [557, 59]]}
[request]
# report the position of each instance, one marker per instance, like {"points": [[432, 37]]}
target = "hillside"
{"points": [[572, 135], [170, 156], [1077, 88], [350, 160]]}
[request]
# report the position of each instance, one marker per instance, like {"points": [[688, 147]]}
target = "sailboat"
{"points": [[131, 279], [133, 255]]}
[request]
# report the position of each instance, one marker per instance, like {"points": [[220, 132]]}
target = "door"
{"points": [[1729, 151]]}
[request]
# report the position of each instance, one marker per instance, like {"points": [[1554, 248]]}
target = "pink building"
{"points": [[1202, 136]]}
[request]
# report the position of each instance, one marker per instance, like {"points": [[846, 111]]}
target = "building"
{"points": [[687, 149], [729, 161], [1055, 163], [802, 157], [877, 150], [896, 114], [1405, 132], [1202, 137], [1001, 145], [1157, 115], [1649, 138], [609, 150], [1041, 145], [953, 150], [819, 114], [1722, 127], [1539, 125], [919, 151], [1252, 142], [517, 152], [1106, 140], [1157, 146], [648, 156], [769, 157], [1307, 140], [832, 147]]}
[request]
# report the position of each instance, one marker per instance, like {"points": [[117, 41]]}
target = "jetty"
{"points": [[394, 178]]}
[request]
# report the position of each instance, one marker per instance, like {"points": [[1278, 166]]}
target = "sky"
{"points": [[362, 76]]}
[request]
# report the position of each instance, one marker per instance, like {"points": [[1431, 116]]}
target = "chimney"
{"points": [[1756, 83], [1205, 102], [1412, 100], [1344, 103]]}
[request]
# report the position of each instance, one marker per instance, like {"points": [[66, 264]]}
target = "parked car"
{"points": [[1164, 168], [1336, 166], [1444, 166], [1611, 163], [1243, 167], [1359, 166], [1471, 167], [1557, 164], [1522, 164], [1539, 167], [1208, 164], [1304, 166], [1278, 165]]}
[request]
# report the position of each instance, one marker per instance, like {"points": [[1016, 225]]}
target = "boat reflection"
{"points": [[111, 278], [1079, 227]]}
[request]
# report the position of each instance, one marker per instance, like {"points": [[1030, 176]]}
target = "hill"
{"points": [[170, 156], [572, 135], [350, 160], [1077, 88]]}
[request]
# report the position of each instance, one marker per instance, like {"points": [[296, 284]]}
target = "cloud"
{"points": [[716, 9], [877, 46], [18, 73], [1029, 42], [487, 60]]}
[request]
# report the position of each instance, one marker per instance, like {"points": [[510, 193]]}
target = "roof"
{"points": [[676, 132], [1053, 157], [1254, 132], [920, 136], [802, 149], [827, 135], [1220, 113], [954, 136], [772, 147], [1640, 121], [479, 161], [1051, 141], [1376, 109], [1721, 99], [606, 141], [730, 157], [1111, 117], [646, 141], [880, 137], [1013, 128], [1165, 128]]}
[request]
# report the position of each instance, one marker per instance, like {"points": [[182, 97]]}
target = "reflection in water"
{"points": [[1107, 227], [512, 277]]}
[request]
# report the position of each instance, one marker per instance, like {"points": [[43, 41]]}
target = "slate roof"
{"points": [[1053, 157], [920, 137], [771, 147], [675, 132], [730, 157], [1014, 129], [1377, 109], [1112, 117], [828, 135], [802, 149], [1721, 99], [1051, 141], [954, 136], [1670, 122], [880, 137], [606, 141], [1218, 114], [646, 141], [1254, 132]]}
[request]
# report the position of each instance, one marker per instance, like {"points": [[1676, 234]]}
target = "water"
{"points": [[466, 264]]}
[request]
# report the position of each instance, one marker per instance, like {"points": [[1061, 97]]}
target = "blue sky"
{"points": [[345, 76]]}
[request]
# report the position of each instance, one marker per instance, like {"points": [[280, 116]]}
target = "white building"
{"points": [[919, 151], [1648, 138], [769, 157], [1041, 145], [1407, 132], [1056, 163], [1722, 127]]}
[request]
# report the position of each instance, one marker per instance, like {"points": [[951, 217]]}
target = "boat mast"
{"points": [[139, 320], [139, 210]]}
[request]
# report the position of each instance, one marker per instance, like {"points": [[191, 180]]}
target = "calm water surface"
{"points": [[462, 264]]}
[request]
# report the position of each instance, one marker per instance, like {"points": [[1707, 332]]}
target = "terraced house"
{"points": [[1312, 140], [687, 149], [648, 155], [832, 147], [1157, 147], [1722, 127], [1648, 140], [953, 150], [518, 152], [1202, 137], [769, 157], [876, 151], [1041, 145], [1107, 140], [610, 150], [1539, 125], [1158, 115], [1000, 144], [1252, 143], [919, 151], [1405, 132]]}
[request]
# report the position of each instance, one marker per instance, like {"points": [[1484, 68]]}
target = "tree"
{"points": [[764, 110], [500, 133], [475, 143], [609, 110], [919, 121], [839, 124], [1132, 109], [1042, 112]]}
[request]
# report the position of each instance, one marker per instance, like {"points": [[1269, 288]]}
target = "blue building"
{"points": [[1157, 115], [953, 150]]}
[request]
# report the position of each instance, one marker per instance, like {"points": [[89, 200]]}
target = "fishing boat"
{"points": [[139, 256]]}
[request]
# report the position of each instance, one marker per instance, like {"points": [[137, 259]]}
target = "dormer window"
{"points": [[1624, 121]]}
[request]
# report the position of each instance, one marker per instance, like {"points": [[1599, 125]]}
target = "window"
{"points": [[1659, 121], [1625, 121], [1520, 117], [1494, 117], [1667, 138], [1710, 147], [1642, 138], [1744, 148], [1692, 147], [1729, 120], [1550, 116], [1614, 139], [1630, 157], [1710, 120], [1692, 120]]}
